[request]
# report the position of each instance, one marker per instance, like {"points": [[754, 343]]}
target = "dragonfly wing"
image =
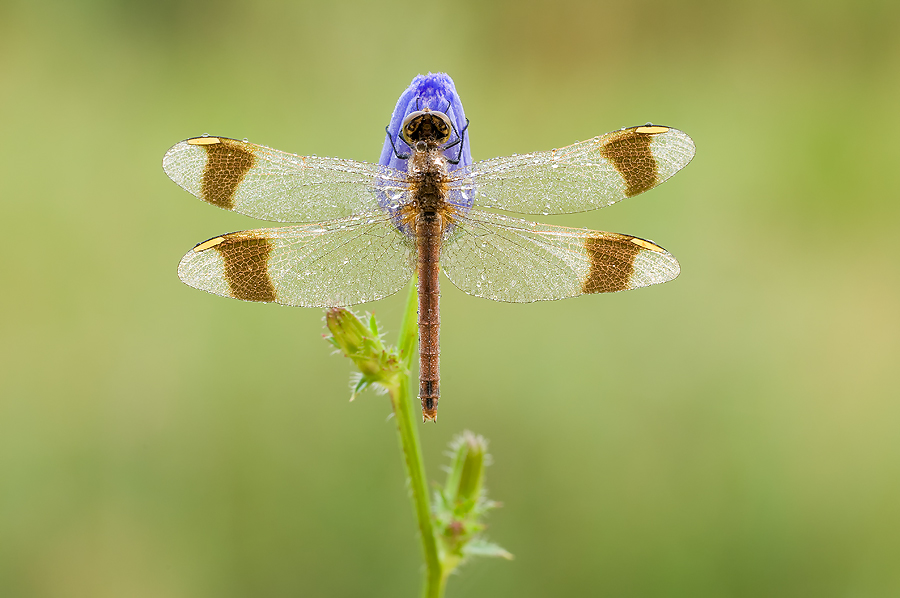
{"points": [[272, 185], [508, 259], [584, 176], [341, 262]]}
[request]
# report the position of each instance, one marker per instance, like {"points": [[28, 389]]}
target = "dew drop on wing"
{"points": [[245, 140]]}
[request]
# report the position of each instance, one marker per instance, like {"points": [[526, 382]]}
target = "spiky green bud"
{"points": [[378, 365], [462, 504]]}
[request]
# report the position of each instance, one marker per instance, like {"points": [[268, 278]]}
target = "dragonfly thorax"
{"points": [[427, 178]]}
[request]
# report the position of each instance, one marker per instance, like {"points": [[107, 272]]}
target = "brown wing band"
{"points": [[612, 264], [227, 162], [247, 267], [630, 153]]}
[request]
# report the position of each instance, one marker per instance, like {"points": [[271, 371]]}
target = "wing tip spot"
{"points": [[204, 141], [647, 245], [651, 130], [207, 244]]}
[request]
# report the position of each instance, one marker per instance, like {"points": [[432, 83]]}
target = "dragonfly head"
{"points": [[428, 126]]}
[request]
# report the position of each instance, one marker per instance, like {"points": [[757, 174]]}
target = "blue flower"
{"points": [[434, 91]]}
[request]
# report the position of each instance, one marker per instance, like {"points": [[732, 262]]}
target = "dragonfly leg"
{"points": [[460, 141], [394, 147]]}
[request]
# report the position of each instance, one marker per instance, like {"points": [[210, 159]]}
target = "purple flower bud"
{"points": [[434, 91]]}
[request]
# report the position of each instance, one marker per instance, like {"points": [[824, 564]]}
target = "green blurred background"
{"points": [[733, 433]]}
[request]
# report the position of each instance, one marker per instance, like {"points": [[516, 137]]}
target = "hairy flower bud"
{"points": [[363, 345]]}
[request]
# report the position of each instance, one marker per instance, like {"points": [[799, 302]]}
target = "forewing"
{"points": [[584, 176], [272, 185], [508, 259], [342, 262]]}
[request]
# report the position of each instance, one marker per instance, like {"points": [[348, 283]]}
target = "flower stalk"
{"points": [[407, 415], [450, 529], [387, 369]]}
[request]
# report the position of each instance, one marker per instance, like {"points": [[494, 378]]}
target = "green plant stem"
{"points": [[407, 417]]}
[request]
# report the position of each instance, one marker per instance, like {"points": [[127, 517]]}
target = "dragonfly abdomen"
{"points": [[428, 244]]}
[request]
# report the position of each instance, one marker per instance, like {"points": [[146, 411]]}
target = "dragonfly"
{"points": [[366, 229]]}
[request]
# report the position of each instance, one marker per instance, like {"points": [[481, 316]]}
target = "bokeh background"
{"points": [[734, 433]]}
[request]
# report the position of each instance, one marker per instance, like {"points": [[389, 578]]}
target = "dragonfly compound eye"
{"points": [[426, 125]]}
